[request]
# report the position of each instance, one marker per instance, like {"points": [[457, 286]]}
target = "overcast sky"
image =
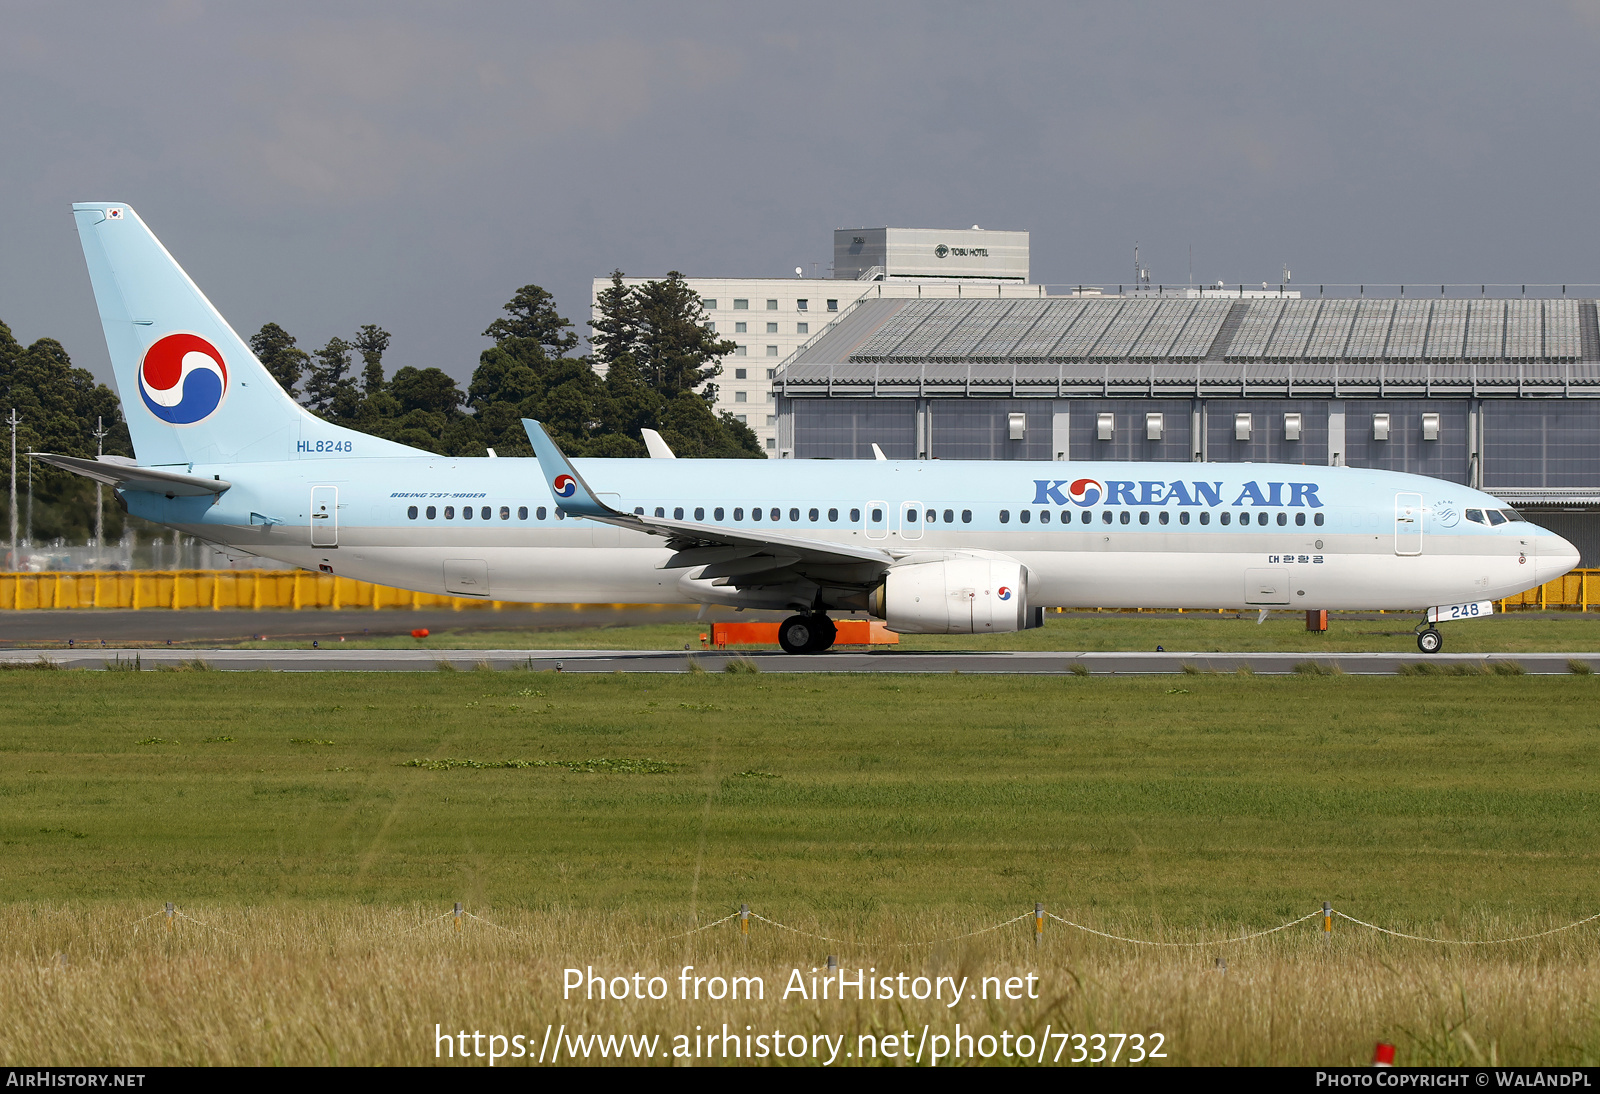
{"points": [[324, 165]]}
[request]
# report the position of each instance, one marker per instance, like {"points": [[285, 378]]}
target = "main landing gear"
{"points": [[806, 633], [1429, 640]]}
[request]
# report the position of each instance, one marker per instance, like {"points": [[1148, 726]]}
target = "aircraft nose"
{"points": [[1556, 556]]}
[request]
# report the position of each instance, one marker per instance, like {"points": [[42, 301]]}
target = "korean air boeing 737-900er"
{"points": [[931, 547]]}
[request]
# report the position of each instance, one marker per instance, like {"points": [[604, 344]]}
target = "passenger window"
{"points": [[466, 512], [949, 516], [677, 512], [911, 516], [833, 516], [505, 512], [738, 514], [966, 516], [432, 512], [412, 512], [776, 514], [660, 512], [932, 516], [1283, 518], [1299, 520], [1226, 517], [1144, 517], [1005, 516], [486, 512], [1205, 518], [1044, 516], [1165, 516], [522, 512], [1475, 516], [561, 514], [1496, 517], [1105, 516], [794, 516], [1183, 517], [877, 515], [1025, 516], [1261, 519], [539, 512], [855, 516], [716, 514], [1317, 520], [699, 512], [1087, 516], [1124, 516], [449, 512], [814, 516]]}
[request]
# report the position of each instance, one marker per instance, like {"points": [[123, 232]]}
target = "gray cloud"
{"points": [[326, 165]]}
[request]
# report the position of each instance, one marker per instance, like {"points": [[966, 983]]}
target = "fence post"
{"points": [[1327, 922], [1038, 924], [458, 915], [833, 963], [744, 924], [170, 916]]}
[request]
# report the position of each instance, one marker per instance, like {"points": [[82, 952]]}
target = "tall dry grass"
{"points": [[366, 985]]}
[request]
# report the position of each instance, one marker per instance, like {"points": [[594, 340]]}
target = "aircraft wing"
{"points": [[730, 552], [128, 476]]}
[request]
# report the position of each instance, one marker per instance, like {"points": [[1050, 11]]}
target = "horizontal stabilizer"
{"points": [[124, 476]]}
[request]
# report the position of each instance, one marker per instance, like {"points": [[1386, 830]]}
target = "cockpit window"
{"points": [[1512, 514], [1495, 516], [1475, 516]]}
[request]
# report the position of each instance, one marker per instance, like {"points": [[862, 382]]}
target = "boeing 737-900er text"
{"points": [[931, 547]]}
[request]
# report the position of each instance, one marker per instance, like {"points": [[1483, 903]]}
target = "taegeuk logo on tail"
{"points": [[564, 486], [182, 379]]}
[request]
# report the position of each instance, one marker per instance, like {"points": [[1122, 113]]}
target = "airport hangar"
{"points": [[1498, 393]]}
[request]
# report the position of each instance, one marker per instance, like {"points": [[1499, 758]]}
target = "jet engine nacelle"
{"points": [[955, 596]]}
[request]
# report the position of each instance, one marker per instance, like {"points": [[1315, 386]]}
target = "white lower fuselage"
{"points": [[1362, 555]]}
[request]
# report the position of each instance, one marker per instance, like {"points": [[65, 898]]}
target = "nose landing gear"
{"points": [[1429, 640], [806, 633]]}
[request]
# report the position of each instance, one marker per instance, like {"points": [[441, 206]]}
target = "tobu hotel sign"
{"points": [[941, 251]]}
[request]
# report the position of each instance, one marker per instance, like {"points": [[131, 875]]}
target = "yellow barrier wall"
{"points": [[217, 589], [295, 589]]}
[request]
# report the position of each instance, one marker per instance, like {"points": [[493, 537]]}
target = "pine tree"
{"points": [[275, 348], [371, 342], [677, 349], [330, 392]]}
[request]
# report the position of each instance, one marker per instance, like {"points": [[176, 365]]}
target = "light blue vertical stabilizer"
{"points": [[191, 390]]}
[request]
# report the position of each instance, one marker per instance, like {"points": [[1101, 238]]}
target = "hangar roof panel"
{"points": [[1187, 346]]}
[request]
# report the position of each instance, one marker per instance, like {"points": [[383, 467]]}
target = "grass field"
{"points": [[1515, 632], [871, 810]]}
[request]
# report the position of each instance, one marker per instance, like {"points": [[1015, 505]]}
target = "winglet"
{"points": [[567, 486], [657, 447]]}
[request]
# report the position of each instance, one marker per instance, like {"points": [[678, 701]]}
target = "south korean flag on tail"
{"points": [[114, 214]]}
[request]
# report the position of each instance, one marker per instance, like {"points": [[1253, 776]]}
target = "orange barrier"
{"points": [[851, 632]]}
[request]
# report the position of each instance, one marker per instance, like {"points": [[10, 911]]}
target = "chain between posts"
{"points": [[1467, 941]]}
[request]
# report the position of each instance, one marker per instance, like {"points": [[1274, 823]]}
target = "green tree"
{"points": [[59, 406], [371, 342], [531, 315], [676, 349], [330, 390], [275, 348]]}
